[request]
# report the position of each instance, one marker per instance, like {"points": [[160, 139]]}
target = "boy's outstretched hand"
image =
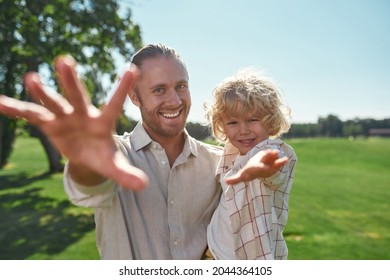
{"points": [[262, 165], [80, 131]]}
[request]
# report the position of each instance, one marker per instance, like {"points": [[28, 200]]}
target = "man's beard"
{"points": [[153, 122]]}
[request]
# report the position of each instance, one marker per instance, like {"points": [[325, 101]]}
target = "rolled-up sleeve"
{"points": [[100, 195]]}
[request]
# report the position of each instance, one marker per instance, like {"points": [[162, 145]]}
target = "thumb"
{"points": [[237, 178], [129, 176]]}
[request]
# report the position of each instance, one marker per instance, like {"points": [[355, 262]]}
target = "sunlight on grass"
{"points": [[292, 237], [10, 166], [372, 235]]}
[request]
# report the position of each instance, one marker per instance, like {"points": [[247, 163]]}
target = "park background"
{"points": [[330, 58]]}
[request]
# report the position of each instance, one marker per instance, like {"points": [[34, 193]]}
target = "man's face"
{"points": [[163, 97]]}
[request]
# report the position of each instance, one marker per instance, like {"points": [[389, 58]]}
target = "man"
{"points": [[168, 218]]}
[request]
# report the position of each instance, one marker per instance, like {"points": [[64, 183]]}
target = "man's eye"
{"points": [[182, 86], [158, 90]]}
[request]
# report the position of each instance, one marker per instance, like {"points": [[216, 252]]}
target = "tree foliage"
{"points": [[33, 32], [332, 126], [198, 131]]}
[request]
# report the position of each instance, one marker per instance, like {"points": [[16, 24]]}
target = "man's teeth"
{"points": [[172, 115]]}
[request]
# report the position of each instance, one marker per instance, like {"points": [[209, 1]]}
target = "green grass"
{"points": [[37, 219], [339, 206]]}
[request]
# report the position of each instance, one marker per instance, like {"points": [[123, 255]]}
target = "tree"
{"points": [[331, 126], [302, 130], [33, 32], [352, 128], [198, 131], [124, 124]]}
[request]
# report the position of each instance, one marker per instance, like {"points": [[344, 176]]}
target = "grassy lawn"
{"points": [[37, 220], [339, 206]]}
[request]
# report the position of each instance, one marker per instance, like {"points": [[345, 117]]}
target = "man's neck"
{"points": [[173, 145]]}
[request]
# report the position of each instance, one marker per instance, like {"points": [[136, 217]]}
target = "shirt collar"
{"points": [[140, 139], [190, 143], [230, 153]]}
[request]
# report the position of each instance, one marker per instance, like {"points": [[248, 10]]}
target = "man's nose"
{"points": [[173, 98]]}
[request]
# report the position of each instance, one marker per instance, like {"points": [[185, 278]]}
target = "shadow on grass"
{"points": [[32, 224], [19, 180]]}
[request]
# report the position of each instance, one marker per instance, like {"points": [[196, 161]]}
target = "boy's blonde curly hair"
{"points": [[256, 93]]}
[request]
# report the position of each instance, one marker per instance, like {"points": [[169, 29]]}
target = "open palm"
{"points": [[80, 131], [262, 165]]}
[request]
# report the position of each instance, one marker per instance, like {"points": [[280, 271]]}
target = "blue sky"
{"points": [[329, 57]]}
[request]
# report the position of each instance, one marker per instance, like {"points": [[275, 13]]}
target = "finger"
{"points": [[270, 156], [280, 162], [32, 112], [115, 106], [236, 178], [132, 177], [129, 176], [50, 99], [73, 88]]}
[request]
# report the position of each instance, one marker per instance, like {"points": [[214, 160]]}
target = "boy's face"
{"points": [[244, 131]]}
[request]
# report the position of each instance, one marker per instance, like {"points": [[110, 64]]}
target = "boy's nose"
{"points": [[244, 128]]}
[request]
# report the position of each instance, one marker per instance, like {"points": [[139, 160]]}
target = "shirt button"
{"points": [[163, 162], [172, 202], [175, 243]]}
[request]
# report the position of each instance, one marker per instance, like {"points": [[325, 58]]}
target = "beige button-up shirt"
{"points": [[167, 220]]}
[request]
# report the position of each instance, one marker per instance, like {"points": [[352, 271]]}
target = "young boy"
{"points": [[249, 116]]}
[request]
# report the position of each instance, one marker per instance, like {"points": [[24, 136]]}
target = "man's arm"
{"points": [[81, 132]]}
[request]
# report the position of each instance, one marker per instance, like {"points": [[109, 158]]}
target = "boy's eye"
{"points": [[231, 123], [253, 120]]}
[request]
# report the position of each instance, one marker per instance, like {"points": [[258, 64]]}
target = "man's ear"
{"points": [[134, 97]]}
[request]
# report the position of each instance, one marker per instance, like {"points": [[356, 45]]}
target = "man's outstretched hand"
{"points": [[80, 131]]}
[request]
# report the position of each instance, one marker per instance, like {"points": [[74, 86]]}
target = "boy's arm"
{"points": [[264, 164]]}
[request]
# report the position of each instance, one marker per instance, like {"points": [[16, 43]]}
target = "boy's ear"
{"points": [[134, 97]]}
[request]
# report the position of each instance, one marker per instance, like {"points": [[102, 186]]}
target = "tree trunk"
{"points": [[53, 156], [7, 125], [2, 161], [7, 137]]}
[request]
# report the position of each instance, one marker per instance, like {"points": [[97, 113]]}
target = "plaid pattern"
{"points": [[258, 209]]}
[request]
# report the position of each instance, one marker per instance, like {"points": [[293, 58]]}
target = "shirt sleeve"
{"points": [[280, 177], [100, 195], [283, 178]]}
